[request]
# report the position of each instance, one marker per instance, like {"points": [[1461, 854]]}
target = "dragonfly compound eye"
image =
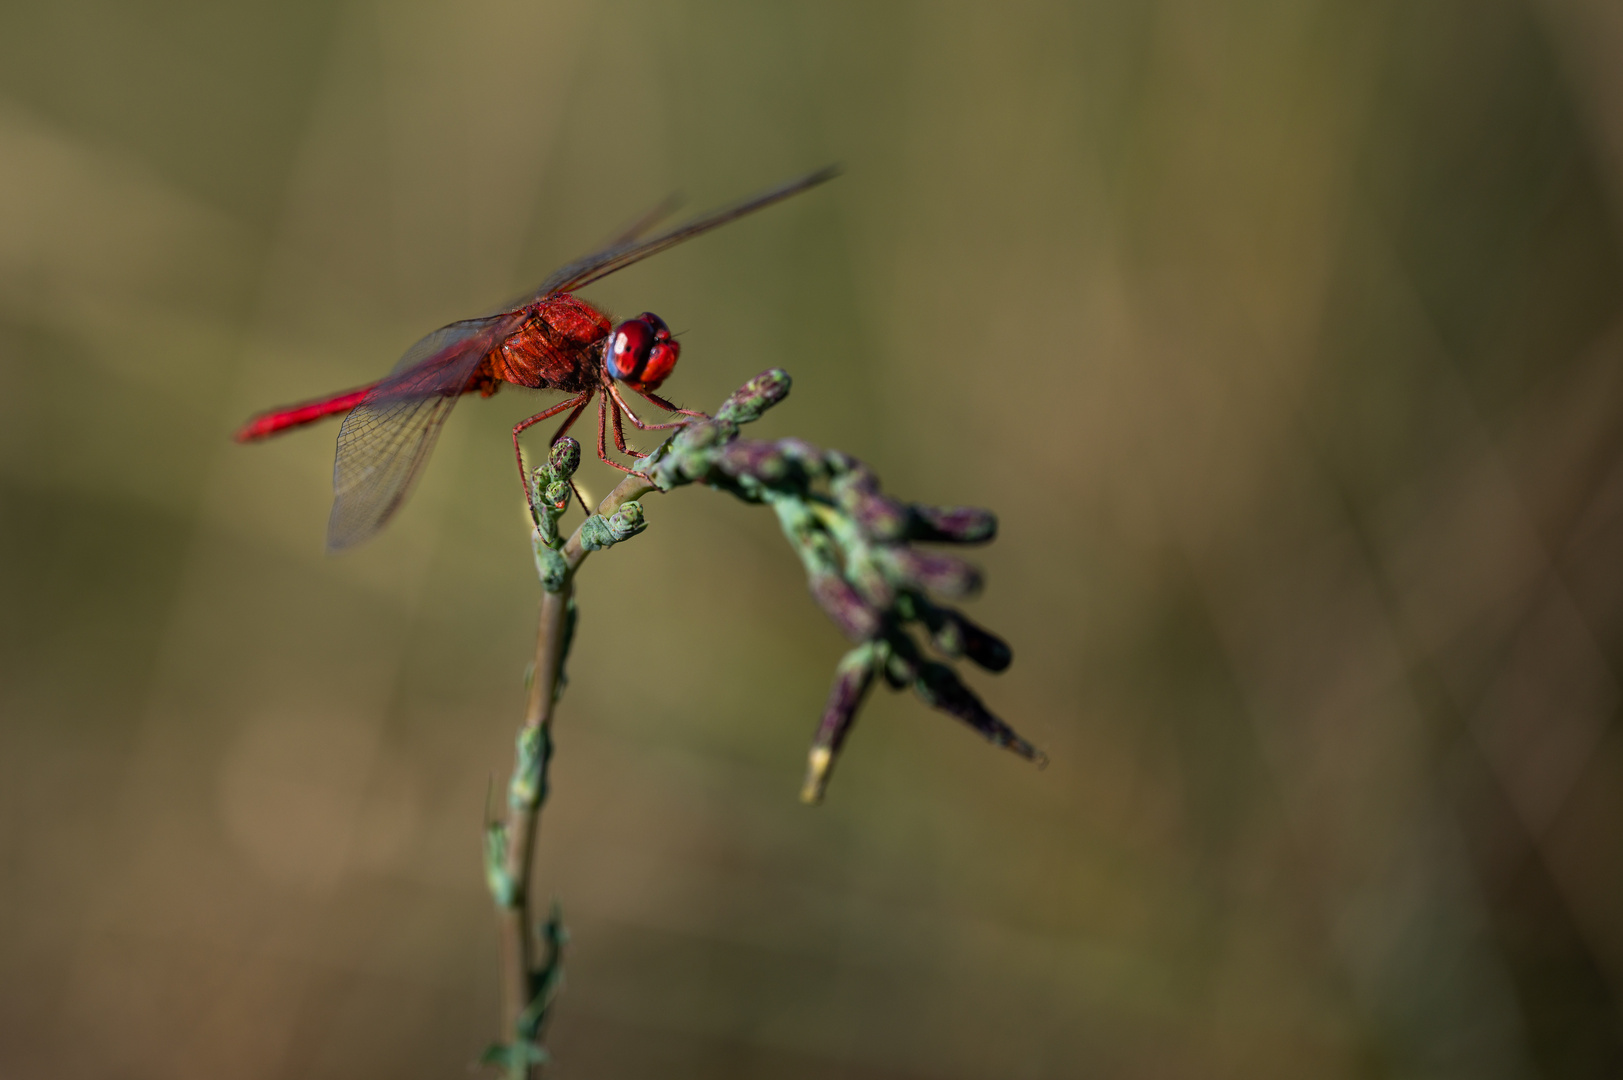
{"points": [[642, 352], [661, 358], [628, 350]]}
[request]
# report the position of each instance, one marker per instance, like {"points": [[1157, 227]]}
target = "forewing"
{"points": [[446, 344], [583, 272], [385, 440], [624, 238], [653, 216]]}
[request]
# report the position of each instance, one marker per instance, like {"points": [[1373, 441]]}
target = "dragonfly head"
{"points": [[641, 352]]}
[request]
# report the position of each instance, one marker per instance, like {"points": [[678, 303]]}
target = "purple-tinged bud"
{"points": [[956, 636], [564, 458], [856, 620], [984, 647], [804, 454], [878, 516], [852, 680], [952, 524], [882, 518], [762, 461], [939, 687], [755, 397], [943, 574]]}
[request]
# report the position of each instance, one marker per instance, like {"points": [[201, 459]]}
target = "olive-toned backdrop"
{"points": [[1286, 338]]}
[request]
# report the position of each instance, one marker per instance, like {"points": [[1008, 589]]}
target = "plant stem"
{"points": [[518, 943]]}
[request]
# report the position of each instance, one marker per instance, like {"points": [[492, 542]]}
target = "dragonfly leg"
{"points": [[619, 432], [603, 435], [636, 420], [669, 407], [578, 402]]}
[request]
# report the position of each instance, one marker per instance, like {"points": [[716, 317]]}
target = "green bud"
{"points": [[496, 877], [755, 397], [550, 566], [598, 532], [528, 788]]}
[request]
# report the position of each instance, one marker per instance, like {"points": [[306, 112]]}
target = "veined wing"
{"points": [[618, 256], [386, 439], [653, 216], [435, 351], [634, 228]]}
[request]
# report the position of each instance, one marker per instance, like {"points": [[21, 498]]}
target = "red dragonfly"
{"points": [[553, 340]]}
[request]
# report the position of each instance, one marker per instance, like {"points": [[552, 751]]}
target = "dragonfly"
{"points": [[548, 340]]}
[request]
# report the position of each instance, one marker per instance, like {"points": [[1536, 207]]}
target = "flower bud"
{"points": [[879, 516], [952, 524], [598, 532], [852, 679], [761, 461], [564, 458], [939, 688], [755, 397], [627, 521], [856, 620], [943, 574], [954, 635]]}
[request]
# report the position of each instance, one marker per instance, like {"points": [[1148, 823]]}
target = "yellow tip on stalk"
{"points": [[818, 763]]}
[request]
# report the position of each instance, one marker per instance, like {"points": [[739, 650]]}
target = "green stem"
{"points": [[518, 940]]}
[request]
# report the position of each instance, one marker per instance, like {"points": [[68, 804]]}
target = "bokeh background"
{"points": [[1285, 338]]}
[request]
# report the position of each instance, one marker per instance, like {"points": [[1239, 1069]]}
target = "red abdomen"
{"points": [[267, 424]]}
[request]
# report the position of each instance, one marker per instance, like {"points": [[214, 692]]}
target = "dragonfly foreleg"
{"points": [[603, 404], [670, 407], [637, 422], [619, 432]]}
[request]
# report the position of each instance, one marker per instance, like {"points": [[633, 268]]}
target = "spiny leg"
{"points": [[570, 419], [619, 432], [578, 402], [669, 407], [603, 436], [637, 421]]}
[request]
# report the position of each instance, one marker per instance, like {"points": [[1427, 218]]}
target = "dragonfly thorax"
{"points": [[641, 352]]}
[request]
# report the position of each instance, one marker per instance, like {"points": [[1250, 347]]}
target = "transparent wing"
{"points": [[624, 237], [386, 439], [381, 450], [618, 256], [448, 342], [655, 214]]}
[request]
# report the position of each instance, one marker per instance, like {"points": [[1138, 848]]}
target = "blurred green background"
{"points": [[1283, 336]]}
